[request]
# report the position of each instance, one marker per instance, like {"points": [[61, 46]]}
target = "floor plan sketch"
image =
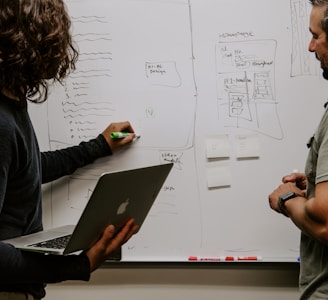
{"points": [[246, 86]]}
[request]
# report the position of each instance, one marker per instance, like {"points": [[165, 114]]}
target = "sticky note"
{"points": [[219, 176], [218, 147], [247, 146]]}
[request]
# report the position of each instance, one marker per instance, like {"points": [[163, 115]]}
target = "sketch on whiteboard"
{"points": [[122, 74], [163, 73], [303, 62], [172, 157], [246, 86], [148, 87], [84, 108], [136, 63]]}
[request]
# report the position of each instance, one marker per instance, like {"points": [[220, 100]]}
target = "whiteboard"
{"points": [[224, 89]]}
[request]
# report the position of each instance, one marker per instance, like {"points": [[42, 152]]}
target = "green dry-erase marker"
{"points": [[119, 135]]}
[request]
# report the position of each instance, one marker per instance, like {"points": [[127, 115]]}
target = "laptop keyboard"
{"points": [[56, 243]]}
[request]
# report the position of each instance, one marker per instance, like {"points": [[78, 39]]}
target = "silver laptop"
{"points": [[117, 197]]}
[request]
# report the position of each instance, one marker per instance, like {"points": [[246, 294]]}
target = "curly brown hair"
{"points": [[35, 47]]}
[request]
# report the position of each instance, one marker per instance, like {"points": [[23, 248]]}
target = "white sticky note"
{"points": [[219, 176], [247, 146], [218, 147]]}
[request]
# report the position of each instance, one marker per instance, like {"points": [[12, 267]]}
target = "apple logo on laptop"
{"points": [[122, 208]]}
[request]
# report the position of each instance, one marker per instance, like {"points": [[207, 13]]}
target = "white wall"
{"points": [[253, 282]]}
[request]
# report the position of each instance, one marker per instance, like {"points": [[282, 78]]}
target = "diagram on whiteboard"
{"points": [[125, 72], [207, 86], [246, 86]]}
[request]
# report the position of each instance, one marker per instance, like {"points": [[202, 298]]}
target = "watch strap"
{"points": [[285, 197]]}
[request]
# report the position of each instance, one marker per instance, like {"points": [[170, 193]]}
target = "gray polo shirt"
{"points": [[314, 254]]}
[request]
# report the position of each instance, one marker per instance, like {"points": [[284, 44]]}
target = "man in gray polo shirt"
{"points": [[304, 197]]}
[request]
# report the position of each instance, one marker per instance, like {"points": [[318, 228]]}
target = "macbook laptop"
{"points": [[116, 197]]}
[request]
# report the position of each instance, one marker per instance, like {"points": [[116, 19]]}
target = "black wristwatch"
{"points": [[285, 197]]}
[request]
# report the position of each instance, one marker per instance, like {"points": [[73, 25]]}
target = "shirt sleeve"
{"points": [[322, 151], [56, 164], [23, 267]]}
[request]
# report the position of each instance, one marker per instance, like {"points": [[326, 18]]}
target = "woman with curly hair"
{"points": [[36, 50]]}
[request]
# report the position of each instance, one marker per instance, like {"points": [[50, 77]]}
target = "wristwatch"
{"points": [[285, 197]]}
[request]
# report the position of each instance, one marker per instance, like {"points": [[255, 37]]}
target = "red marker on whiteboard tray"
{"points": [[249, 258], [226, 258], [229, 258], [209, 259]]}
